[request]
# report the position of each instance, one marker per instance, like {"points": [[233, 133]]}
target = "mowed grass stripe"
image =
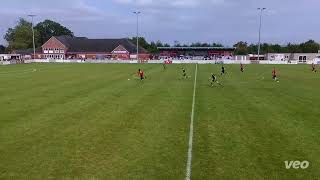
{"points": [[64, 95], [51, 94], [248, 130], [125, 129], [102, 126]]}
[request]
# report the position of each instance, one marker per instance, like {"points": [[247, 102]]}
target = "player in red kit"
{"points": [[141, 74], [274, 74]]}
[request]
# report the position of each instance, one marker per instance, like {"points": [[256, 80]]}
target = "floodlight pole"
{"points": [[137, 13], [259, 44], [33, 41]]}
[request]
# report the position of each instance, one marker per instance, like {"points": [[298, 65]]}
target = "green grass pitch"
{"points": [[98, 121]]}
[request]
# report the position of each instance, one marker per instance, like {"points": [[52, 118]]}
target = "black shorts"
{"points": [[274, 76], [141, 77]]}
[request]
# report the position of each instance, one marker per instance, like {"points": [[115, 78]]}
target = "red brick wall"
{"points": [[121, 56], [144, 56]]}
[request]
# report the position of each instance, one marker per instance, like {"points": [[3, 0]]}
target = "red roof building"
{"points": [[67, 47]]}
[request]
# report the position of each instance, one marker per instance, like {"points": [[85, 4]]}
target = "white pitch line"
{"points": [[189, 162]]}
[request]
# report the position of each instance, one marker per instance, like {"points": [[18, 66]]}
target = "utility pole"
{"points": [[137, 13], [259, 44], [34, 46]]}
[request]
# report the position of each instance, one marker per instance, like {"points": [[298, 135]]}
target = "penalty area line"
{"points": [[189, 161]]}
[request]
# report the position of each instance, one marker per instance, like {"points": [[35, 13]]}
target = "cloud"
{"points": [[168, 3], [225, 21], [76, 13]]}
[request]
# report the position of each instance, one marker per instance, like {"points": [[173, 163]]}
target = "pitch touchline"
{"points": [[189, 162]]}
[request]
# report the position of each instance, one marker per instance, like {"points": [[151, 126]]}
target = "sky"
{"points": [[185, 21]]}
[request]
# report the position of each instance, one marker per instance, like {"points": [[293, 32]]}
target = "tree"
{"points": [[142, 42], [20, 37], [205, 45], [159, 43], [2, 49], [201, 44], [310, 47], [241, 48], [153, 49], [277, 48], [176, 44], [197, 44], [265, 48], [216, 45], [49, 28], [292, 48], [253, 49], [166, 45]]}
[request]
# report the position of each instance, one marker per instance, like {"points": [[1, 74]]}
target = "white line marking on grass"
{"points": [[189, 162]]}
